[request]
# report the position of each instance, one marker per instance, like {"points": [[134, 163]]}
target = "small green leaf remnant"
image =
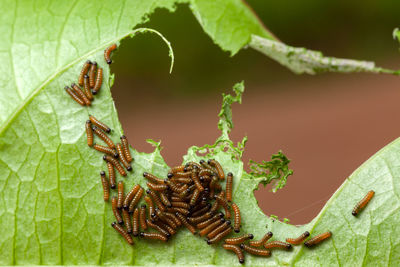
{"points": [[301, 60], [225, 123], [276, 169]]}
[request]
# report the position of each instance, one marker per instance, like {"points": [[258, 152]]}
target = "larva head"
{"points": [[251, 236], [103, 173], [170, 175], [129, 168], [241, 246], [306, 233], [116, 155], [145, 174], [202, 161]]}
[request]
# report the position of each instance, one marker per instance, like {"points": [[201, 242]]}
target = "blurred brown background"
{"points": [[327, 125]]}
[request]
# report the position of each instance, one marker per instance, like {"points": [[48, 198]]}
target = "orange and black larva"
{"points": [[74, 96], [157, 187], [195, 197], [78, 91], [155, 199], [122, 158], [86, 87], [99, 124], [225, 205], [219, 229], [363, 202], [103, 137], [180, 210], [83, 72], [154, 236], [201, 211], [92, 74], [195, 178], [158, 228], [213, 219], [158, 214], [277, 244], [130, 195], [89, 133], [237, 250], [255, 251], [111, 175], [228, 188], [173, 217], [120, 194], [186, 223], [219, 236], [125, 148], [180, 204], [218, 166], [298, 240], [106, 150], [150, 203], [164, 199], [317, 239], [201, 218], [127, 221], [117, 215], [106, 190], [165, 226], [135, 200], [116, 164], [121, 230], [142, 217], [107, 53], [238, 240], [237, 217], [177, 169], [135, 222], [99, 81], [261, 242], [153, 178]]}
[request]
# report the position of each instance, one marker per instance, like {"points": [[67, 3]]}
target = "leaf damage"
{"points": [[275, 169]]}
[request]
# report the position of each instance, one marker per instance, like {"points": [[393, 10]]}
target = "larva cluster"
{"points": [[191, 196], [90, 80]]}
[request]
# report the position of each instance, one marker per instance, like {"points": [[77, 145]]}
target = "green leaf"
{"points": [[229, 23], [51, 210], [301, 60]]}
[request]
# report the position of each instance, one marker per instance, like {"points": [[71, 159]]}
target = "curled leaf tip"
{"points": [[276, 169], [171, 51]]}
